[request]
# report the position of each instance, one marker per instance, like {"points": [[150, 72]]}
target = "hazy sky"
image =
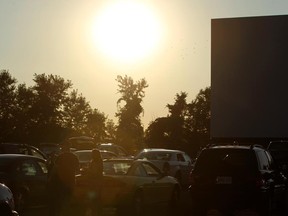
{"points": [[58, 37]]}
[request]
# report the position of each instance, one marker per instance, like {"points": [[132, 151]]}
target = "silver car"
{"points": [[174, 162]]}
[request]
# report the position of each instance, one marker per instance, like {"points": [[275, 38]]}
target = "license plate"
{"points": [[224, 180]]}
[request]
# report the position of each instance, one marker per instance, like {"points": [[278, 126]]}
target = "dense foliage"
{"points": [[51, 111]]}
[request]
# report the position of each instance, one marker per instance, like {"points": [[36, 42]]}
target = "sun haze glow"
{"points": [[126, 31]]}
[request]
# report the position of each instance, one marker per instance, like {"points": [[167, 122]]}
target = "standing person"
{"points": [[61, 182], [95, 175]]}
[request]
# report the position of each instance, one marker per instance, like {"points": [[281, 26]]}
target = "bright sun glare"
{"points": [[126, 31]]}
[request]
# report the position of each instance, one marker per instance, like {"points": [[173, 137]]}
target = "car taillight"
{"points": [[259, 181]]}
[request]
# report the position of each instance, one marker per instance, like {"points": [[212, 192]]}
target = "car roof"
{"points": [[90, 150], [18, 144], [7, 143], [161, 150], [108, 144], [120, 160], [17, 156], [234, 146]]}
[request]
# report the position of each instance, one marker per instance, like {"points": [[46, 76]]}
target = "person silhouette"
{"points": [[95, 177], [61, 182]]}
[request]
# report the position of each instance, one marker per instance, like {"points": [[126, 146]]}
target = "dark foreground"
{"points": [[161, 210]]}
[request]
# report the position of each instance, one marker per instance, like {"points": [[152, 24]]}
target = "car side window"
{"points": [[270, 159], [36, 154], [150, 170], [27, 168], [121, 152], [187, 158], [180, 157], [43, 167], [139, 171], [263, 161], [23, 150]]}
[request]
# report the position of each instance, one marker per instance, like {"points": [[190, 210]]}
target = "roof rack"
{"points": [[222, 144]]}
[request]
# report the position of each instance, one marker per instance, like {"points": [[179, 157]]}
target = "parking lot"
{"points": [[184, 210], [161, 210]]}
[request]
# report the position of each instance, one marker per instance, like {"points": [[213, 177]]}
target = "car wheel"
{"points": [[137, 205], [19, 199]]}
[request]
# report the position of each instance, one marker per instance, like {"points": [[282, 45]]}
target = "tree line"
{"points": [[51, 111]]}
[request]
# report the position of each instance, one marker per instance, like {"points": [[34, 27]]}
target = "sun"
{"points": [[126, 31]]}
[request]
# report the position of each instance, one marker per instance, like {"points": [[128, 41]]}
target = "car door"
{"points": [[158, 187], [32, 178], [185, 165]]}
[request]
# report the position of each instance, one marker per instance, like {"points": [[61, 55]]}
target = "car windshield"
{"points": [[116, 167], [166, 156], [215, 160], [84, 156]]}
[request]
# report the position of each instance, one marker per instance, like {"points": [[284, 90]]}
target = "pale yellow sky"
{"points": [[53, 37]]}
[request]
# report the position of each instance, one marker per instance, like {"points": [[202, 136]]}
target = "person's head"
{"points": [[96, 155], [65, 146]]}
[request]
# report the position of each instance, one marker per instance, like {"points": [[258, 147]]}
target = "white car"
{"points": [[85, 156], [174, 162]]}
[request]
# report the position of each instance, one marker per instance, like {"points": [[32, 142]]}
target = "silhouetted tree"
{"points": [[95, 125], [198, 121], [75, 113], [47, 111], [186, 127], [199, 112], [111, 130], [158, 133], [168, 132], [7, 104], [130, 131], [25, 98]]}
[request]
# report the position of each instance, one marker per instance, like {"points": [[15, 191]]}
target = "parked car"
{"points": [[230, 178], [49, 149], [279, 151], [129, 185], [7, 205], [177, 163], [118, 150], [20, 148], [26, 176], [82, 143], [85, 156]]}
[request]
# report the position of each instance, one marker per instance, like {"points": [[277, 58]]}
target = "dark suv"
{"points": [[234, 178], [279, 152]]}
